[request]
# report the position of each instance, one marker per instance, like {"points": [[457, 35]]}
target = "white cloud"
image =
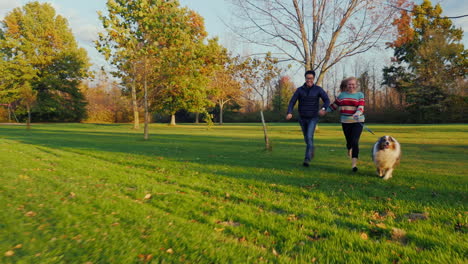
{"points": [[85, 33]]}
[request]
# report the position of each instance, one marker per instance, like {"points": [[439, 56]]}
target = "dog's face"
{"points": [[386, 142]]}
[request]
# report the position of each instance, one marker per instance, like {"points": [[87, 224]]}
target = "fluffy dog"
{"points": [[386, 155]]}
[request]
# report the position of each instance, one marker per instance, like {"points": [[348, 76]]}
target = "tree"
{"points": [[223, 86], [15, 84], [28, 98], [316, 34], [258, 75], [399, 79], [167, 41], [106, 101], [431, 59], [35, 36], [190, 64], [283, 92]]}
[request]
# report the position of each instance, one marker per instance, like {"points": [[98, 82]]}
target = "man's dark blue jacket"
{"points": [[308, 100]]}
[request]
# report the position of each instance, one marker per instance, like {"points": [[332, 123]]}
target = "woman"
{"points": [[350, 102]]}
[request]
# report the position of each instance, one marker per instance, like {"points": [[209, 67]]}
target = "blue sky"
{"points": [[83, 19]]}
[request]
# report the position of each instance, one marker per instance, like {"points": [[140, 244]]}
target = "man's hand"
{"points": [[356, 116], [288, 116], [322, 112]]}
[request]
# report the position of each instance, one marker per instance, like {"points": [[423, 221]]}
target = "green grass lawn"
{"points": [[86, 193]]}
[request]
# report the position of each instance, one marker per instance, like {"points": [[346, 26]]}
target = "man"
{"points": [[308, 95]]}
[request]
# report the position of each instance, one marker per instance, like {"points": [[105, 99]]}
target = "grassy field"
{"points": [[86, 193]]}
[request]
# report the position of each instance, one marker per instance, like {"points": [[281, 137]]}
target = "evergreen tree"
{"points": [[283, 92]]}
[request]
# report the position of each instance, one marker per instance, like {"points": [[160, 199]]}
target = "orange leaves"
{"points": [[364, 236], [30, 214], [145, 258], [11, 253]]}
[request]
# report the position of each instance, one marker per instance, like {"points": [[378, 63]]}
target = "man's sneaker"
{"points": [[306, 163], [355, 169]]}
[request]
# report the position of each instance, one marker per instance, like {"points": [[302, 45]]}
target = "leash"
{"points": [[364, 126]]}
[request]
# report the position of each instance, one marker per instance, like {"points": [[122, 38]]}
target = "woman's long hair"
{"points": [[344, 83]]}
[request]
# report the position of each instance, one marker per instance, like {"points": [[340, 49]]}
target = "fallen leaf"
{"points": [[292, 217], [170, 251], [144, 257], [417, 216], [364, 236], [19, 246], [398, 235], [313, 260], [230, 223], [9, 253], [274, 252], [30, 214], [381, 225], [72, 195], [148, 196], [219, 229]]}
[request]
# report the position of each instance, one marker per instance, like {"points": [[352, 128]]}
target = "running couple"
{"points": [[350, 102]]}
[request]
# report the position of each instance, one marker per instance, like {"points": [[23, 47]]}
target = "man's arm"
{"points": [[326, 102], [325, 99], [292, 102]]}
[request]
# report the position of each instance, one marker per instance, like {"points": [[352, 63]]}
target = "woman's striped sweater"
{"points": [[349, 104]]}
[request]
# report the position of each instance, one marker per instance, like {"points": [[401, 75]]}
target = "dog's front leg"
{"points": [[379, 172], [388, 174]]}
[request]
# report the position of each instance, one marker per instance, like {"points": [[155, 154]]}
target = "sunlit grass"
{"points": [[77, 193]]}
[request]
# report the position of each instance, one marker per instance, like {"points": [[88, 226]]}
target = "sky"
{"points": [[83, 19]]}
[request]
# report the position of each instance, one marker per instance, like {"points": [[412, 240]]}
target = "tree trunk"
{"points": [[221, 105], [9, 113], [267, 140], [173, 123], [197, 115], [146, 135], [401, 100], [28, 122], [136, 115]]}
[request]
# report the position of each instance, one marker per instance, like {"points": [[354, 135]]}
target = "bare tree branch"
{"points": [[317, 34]]}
